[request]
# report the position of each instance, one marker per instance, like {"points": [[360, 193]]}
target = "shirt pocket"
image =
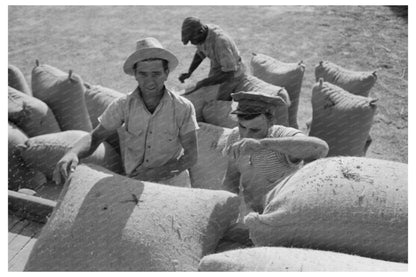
{"points": [[170, 136]]}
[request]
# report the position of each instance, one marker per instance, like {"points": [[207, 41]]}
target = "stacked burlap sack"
{"points": [[48, 118], [107, 222], [342, 111], [218, 112]]}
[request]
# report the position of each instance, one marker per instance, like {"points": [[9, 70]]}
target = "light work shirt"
{"points": [[222, 51], [149, 140]]}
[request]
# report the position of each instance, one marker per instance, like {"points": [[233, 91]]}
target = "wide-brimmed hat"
{"points": [[149, 48], [254, 102]]}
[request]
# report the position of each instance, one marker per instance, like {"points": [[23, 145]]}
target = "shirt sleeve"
{"points": [[282, 131], [187, 119], [113, 116], [225, 55]]}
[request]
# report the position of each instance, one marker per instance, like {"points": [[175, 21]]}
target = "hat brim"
{"points": [[273, 100], [150, 53]]}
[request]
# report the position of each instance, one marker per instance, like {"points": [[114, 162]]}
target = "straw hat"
{"points": [[149, 48]]}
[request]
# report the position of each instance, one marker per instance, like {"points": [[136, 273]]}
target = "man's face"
{"points": [[256, 128], [151, 76]]}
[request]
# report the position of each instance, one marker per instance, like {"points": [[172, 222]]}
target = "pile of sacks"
{"points": [[334, 214], [340, 213], [46, 119]]}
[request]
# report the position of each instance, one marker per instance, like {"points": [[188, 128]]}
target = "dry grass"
{"points": [[94, 42]]}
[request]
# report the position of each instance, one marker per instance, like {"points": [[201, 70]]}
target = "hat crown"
{"points": [[149, 42]]}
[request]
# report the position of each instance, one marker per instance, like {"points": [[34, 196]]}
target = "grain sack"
{"points": [[341, 119], [217, 112], [293, 260], [287, 75], [17, 80], [344, 204], [20, 175], [209, 171], [64, 94], [31, 114], [251, 83], [107, 222], [201, 97], [44, 152], [355, 82], [97, 99]]}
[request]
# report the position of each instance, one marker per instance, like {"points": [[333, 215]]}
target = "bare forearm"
{"points": [[181, 164], [85, 146], [215, 79], [196, 61], [300, 147]]}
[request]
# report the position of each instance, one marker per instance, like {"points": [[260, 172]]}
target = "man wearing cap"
{"points": [[262, 154], [212, 42], [157, 128]]}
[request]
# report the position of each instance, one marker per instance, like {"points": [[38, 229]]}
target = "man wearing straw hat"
{"points": [[262, 154], [211, 41], [157, 127]]}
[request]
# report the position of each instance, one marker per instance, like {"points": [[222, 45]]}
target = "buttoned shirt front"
{"points": [[222, 51], [147, 139]]}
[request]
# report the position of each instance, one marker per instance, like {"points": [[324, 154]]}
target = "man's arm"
{"points": [[84, 147], [196, 61], [232, 178], [215, 79], [296, 147]]}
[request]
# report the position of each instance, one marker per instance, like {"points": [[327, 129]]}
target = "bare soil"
{"points": [[94, 41]]}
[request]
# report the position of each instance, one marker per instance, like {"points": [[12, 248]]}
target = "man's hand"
{"points": [[184, 76], [154, 174], [242, 147], [65, 167]]}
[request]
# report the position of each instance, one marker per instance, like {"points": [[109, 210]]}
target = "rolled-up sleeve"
{"points": [[113, 116]]}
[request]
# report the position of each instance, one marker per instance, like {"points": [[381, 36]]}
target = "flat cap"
{"points": [[254, 102]]}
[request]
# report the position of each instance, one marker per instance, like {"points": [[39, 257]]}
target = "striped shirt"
{"points": [[149, 140], [262, 170], [222, 51]]}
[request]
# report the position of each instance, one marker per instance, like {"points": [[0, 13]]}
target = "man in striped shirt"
{"points": [[262, 154], [212, 42]]}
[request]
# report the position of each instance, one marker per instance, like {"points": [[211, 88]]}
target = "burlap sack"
{"points": [[342, 119], [282, 259], [97, 99], [17, 80], [64, 94], [201, 97], [344, 204], [44, 152], [217, 112], [209, 171], [31, 114], [107, 222], [20, 175], [287, 75], [252, 83], [355, 82]]}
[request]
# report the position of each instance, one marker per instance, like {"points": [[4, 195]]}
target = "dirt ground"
{"points": [[94, 41]]}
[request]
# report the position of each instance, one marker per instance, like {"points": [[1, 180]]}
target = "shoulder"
{"points": [[283, 131], [179, 100]]}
